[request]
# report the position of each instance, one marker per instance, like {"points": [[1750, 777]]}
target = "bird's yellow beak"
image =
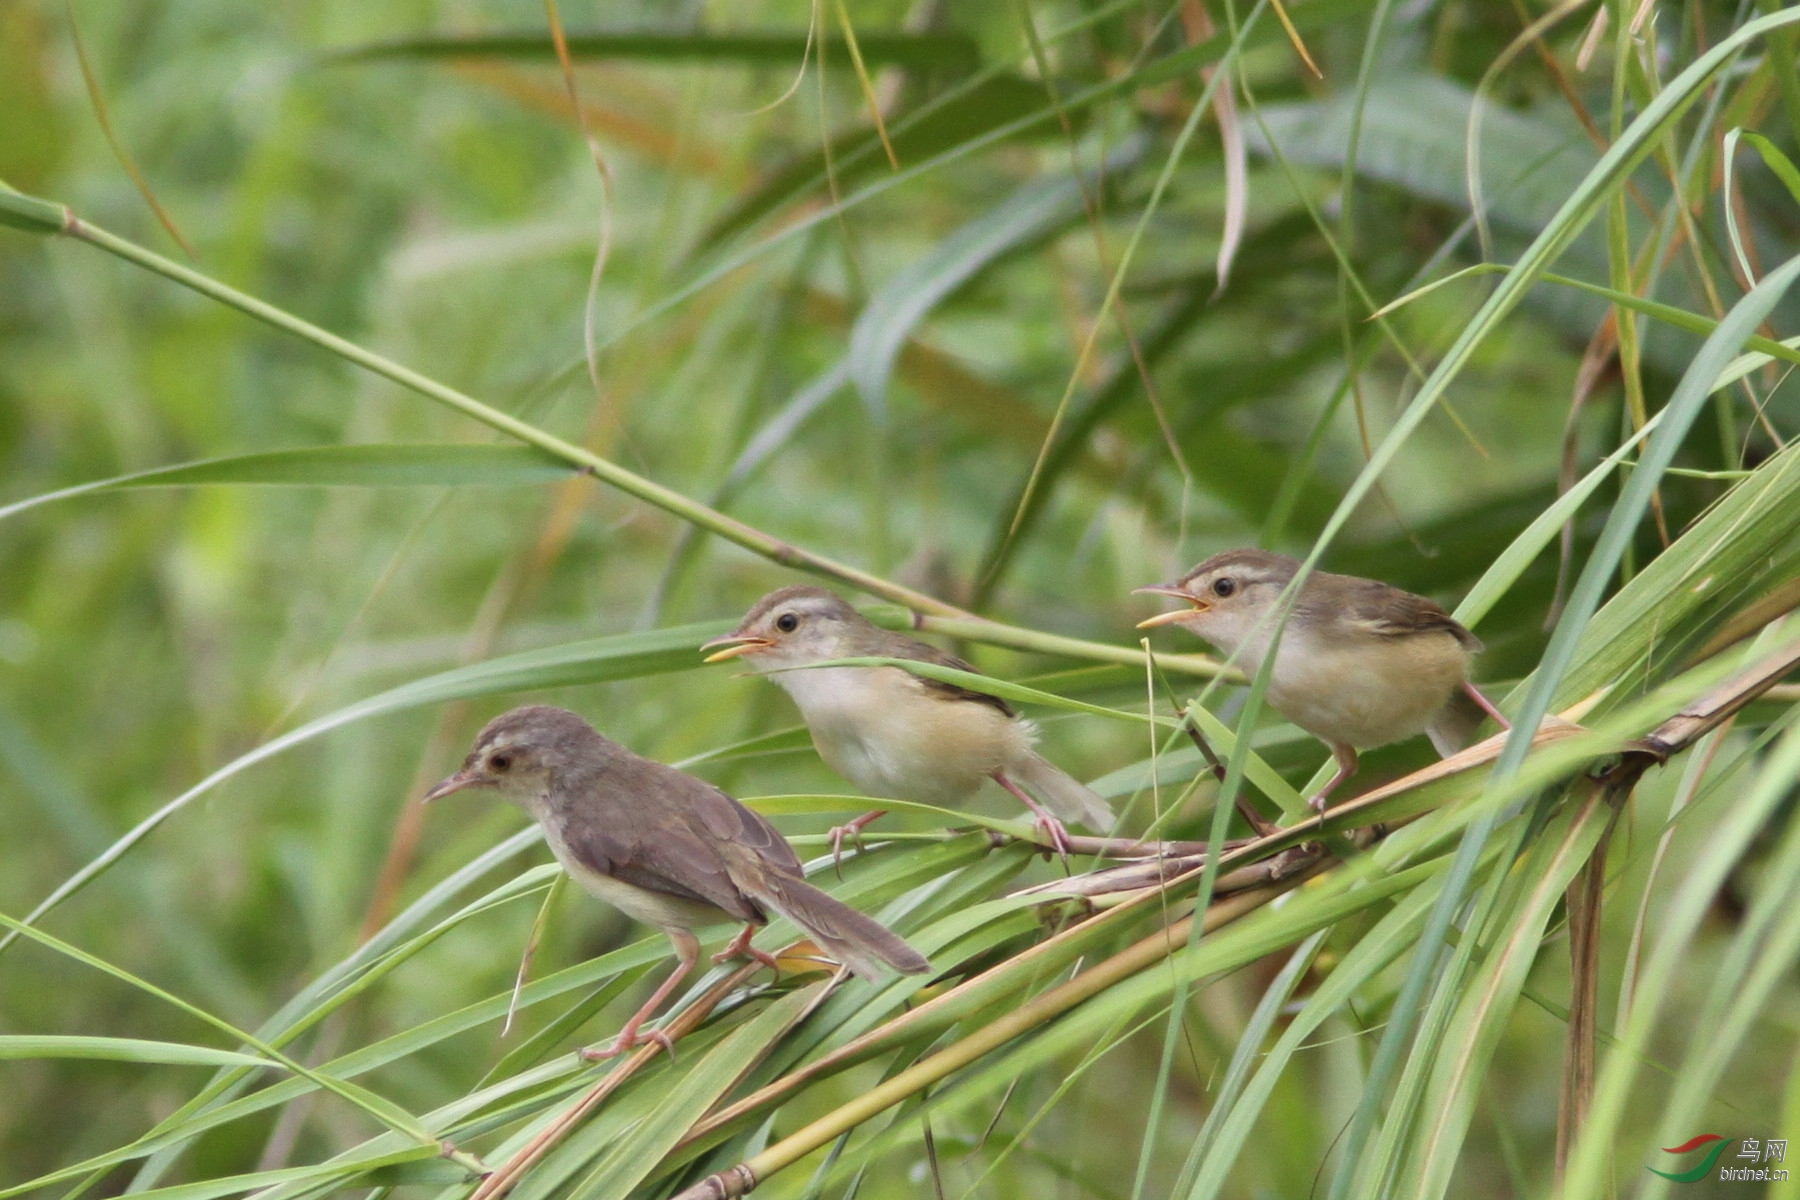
{"points": [[734, 644], [1196, 605], [455, 783]]}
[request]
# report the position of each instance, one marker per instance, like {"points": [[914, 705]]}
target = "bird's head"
{"points": [[519, 753], [793, 627], [1227, 596]]}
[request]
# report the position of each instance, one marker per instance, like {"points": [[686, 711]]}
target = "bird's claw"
{"points": [[837, 835], [750, 952], [1058, 837], [853, 831], [1293, 860], [628, 1039]]}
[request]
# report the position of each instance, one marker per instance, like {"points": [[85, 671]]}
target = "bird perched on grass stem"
{"points": [[890, 732], [1360, 663], [664, 848]]}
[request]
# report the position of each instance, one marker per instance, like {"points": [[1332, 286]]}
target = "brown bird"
{"points": [[1360, 663], [893, 733], [664, 848]]}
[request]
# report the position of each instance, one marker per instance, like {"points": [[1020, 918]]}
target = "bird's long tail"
{"points": [[859, 942], [1061, 793], [1454, 725]]}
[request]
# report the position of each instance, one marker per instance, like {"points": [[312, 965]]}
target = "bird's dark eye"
{"points": [[500, 762], [787, 622], [1224, 587]]}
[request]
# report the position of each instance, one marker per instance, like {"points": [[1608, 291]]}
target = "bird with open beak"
{"points": [[664, 848], [890, 732], [1358, 663]]}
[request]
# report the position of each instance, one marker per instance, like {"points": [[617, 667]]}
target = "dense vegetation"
{"points": [[993, 312]]}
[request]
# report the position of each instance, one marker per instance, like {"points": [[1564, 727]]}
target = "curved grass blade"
{"points": [[953, 53], [1759, 957], [382, 953], [1172, 66], [1736, 560], [992, 633], [1243, 1058], [1239, 929], [444, 464], [118, 1049], [989, 685], [1739, 823], [628, 1161], [1505, 570], [622, 656], [576, 456], [889, 319], [1033, 212], [1392, 936], [1681, 411], [1668, 314], [377, 1107], [1458, 1063], [161, 1145], [334, 1176], [933, 865]]}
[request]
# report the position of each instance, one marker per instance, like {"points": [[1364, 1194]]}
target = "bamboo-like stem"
{"points": [[1114, 885], [26, 208], [1134, 850], [502, 1179], [984, 989], [992, 633], [1041, 1009], [1129, 850], [29, 212], [395, 1118], [949, 1006]]}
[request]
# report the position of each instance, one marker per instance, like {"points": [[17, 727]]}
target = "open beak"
{"points": [[1195, 604], [734, 644], [455, 783]]}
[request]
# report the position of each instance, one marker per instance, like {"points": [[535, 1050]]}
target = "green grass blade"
{"points": [[630, 1160], [118, 1049], [622, 656], [441, 465], [948, 52], [1589, 1170]]}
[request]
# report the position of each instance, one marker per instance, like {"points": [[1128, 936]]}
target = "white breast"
{"points": [[640, 904], [891, 737], [1363, 693]]}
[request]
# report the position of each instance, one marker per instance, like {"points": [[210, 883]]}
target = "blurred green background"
{"points": [[876, 381]]}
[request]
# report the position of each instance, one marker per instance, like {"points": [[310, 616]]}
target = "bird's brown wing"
{"points": [[724, 818], [1387, 611], [675, 835], [896, 645]]}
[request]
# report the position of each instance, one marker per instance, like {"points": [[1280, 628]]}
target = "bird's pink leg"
{"points": [[853, 831], [740, 947], [1486, 705], [1053, 828], [687, 953], [1346, 761]]}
